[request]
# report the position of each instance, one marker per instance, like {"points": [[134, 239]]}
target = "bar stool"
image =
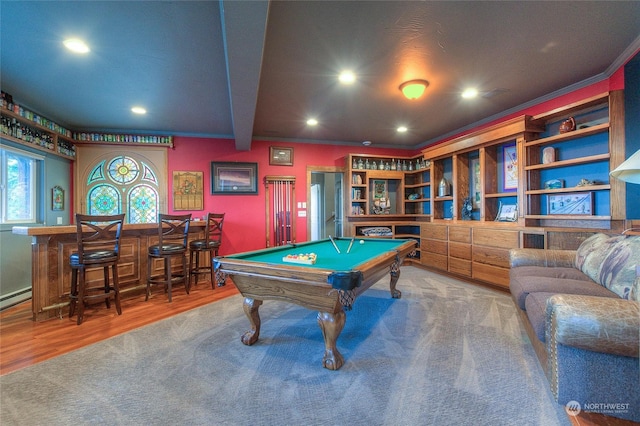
{"points": [[173, 232], [98, 246], [210, 244]]}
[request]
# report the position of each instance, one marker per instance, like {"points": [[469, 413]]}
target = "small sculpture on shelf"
{"points": [[467, 208], [568, 125], [381, 206]]}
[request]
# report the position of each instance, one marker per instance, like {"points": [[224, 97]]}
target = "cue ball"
{"points": [[361, 241]]}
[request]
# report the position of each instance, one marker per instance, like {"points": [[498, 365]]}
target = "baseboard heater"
{"points": [[14, 298]]}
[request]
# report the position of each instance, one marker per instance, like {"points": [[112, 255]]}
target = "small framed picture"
{"points": [[507, 213], [573, 203], [510, 168], [279, 156], [57, 198]]}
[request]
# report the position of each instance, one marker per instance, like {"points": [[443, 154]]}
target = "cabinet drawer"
{"points": [[491, 274], [491, 256], [460, 267], [437, 261], [496, 238], [433, 246], [460, 234], [459, 250], [438, 232]]}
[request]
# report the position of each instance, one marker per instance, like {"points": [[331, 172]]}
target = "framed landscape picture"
{"points": [[234, 178], [574, 203]]}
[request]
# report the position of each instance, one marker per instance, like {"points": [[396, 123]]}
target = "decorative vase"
{"points": [[568, 125], [548, 155], [443, 188]]}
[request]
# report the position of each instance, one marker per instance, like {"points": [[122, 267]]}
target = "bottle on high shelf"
{"points": [[393, 165]]}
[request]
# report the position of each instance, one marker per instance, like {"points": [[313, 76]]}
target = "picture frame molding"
{"points": [[584, 203], [224, 173], [274, 156], [57, 198], [510, 160]]}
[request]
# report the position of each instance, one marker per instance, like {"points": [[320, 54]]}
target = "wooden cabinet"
{"points": [[491, 254], [567, 172], [406, 229], [382, 186], [460, 250], [480, 170], [434, 246]]}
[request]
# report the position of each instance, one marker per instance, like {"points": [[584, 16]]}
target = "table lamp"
{"points": [[629, 170]]}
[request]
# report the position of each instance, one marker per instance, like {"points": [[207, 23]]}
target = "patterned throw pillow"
{"points": [[611, 260]]}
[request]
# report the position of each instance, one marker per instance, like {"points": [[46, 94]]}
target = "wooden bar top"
{"points": [[33, 231]]}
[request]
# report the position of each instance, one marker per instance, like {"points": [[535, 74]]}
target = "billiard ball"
{"points": [[361, 241]]}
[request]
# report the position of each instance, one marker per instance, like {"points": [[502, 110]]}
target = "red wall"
{"points": [[245, 225]]}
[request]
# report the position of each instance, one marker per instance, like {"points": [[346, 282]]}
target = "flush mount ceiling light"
{"points": [[312, 122], [470, 93], [76, 45], [402, 129], [366, 143], [138, 110], [347, 77], [413, 89]]}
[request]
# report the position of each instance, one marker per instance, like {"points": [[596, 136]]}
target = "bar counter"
{"points": [[51, 247]]}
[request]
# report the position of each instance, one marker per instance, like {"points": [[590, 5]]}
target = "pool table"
{"points": [[329, 286]]}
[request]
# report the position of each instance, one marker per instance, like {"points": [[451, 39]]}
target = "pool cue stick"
{"points": [[351, 244], [334, 244]]}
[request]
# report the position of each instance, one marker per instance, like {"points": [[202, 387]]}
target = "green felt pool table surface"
{"points": [[327, 256]]}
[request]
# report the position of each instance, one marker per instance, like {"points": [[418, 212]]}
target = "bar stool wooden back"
{"points": [[98, 247], [210, 245], [173, 232]]}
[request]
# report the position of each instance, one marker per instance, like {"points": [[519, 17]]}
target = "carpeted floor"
{"points": [[446, 353]]}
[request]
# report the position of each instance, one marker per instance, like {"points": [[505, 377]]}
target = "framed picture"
{"points": [[379, 189], [57, 198], [188, 191], [279, 156], [574, 203], [234, 178], [510, 168], [507, 213]]}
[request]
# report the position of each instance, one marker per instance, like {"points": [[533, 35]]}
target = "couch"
{"points": [[581, 311]]}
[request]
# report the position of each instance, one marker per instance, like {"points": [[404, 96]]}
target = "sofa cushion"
{"points": [[551, 280], [611, 261]]}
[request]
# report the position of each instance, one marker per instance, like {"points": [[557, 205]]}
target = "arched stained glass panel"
{"points": [[123, 170], [96, 174], [148, 175], [143, 204], [103, 200]]}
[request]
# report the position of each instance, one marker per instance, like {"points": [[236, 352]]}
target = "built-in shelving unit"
{"points": [[567, 172]]}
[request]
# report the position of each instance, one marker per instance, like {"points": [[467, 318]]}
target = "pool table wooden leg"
{"points": [[250, 307], [331, 326], [394, 270]]}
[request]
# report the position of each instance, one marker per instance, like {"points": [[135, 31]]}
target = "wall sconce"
{"points": [[629, 170], [413, 89]]}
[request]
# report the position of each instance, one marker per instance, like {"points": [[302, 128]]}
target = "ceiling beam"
{"points": [[244, 25]]}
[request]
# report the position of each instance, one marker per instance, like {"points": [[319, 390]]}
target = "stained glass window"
{"points": [[143, 203], [114, 186], [123, 169], [104, 200]]}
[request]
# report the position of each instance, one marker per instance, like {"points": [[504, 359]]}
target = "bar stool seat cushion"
{"points": [[166, 248], [202, 244], [93, 256]]}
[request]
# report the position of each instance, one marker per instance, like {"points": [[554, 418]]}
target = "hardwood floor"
{"points": [[24, 342]]}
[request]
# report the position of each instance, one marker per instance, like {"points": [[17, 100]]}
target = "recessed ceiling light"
{"points": [[347, 77], [138, 110], [402, 129], [312, 122], [76, 45], [470, 93]]}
